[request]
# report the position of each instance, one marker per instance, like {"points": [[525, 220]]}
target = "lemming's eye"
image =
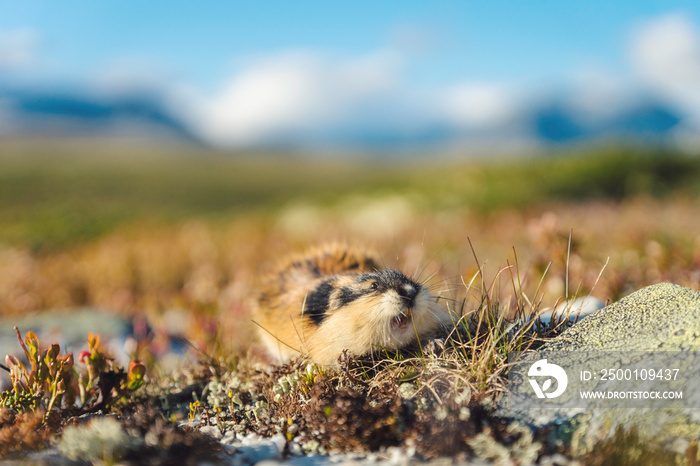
{"points": [[373, 286]]}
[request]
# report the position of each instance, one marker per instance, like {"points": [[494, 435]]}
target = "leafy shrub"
{"points": [[53, 383]]}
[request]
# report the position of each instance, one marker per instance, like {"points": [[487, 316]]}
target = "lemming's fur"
{"points": [[338, 298]]}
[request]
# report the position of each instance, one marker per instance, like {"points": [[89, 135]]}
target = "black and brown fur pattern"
{"points": [[338, 298]]}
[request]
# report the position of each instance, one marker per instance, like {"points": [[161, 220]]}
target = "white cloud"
{"points": [[18, 48], [132, 75], [296, 92], [478, 105], [598, 94], [666, 54], [309, 97]]}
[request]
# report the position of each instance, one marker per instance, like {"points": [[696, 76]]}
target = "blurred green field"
{"points": [[153, 230], [57, 193]]}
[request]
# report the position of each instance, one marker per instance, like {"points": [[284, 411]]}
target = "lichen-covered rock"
{"points": [[657, 318], [101, 440]]}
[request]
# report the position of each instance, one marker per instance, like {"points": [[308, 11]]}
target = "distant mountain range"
{"points": [[556, 123], [41, 113], [138, 115]]}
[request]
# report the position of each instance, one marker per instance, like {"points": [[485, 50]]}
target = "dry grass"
{"points": [[210, 269], [493, 268]]}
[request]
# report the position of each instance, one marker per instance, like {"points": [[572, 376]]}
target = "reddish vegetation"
{"points": [[210, 270], [196, 279]]}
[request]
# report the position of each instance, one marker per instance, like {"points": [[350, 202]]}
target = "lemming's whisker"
{"points": [[456, 277], [432, 281], [446, 280], [442, 324], [432, 275], [371, 345], [453, 293], [446, 290], [450, 280], [429, 262], [445, 298]]}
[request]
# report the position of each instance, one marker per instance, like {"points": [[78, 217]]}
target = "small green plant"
{"points": [[51, 381], [47, 384], [103, 379], [194, 412]]}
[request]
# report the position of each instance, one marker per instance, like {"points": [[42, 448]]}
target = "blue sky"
{"points": [[201, 40], [201, 52]]}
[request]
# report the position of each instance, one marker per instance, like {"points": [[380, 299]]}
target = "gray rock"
{"points": [[229, 438], [212, 431], [658, 317], [575, 310], [280, 442], [660, 321], [255, 451], [48, 457]]}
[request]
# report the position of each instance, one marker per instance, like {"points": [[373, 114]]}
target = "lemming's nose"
{"points": [[408, 291]]}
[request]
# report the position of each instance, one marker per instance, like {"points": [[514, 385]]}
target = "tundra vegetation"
{"points": [[179, 236]]}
